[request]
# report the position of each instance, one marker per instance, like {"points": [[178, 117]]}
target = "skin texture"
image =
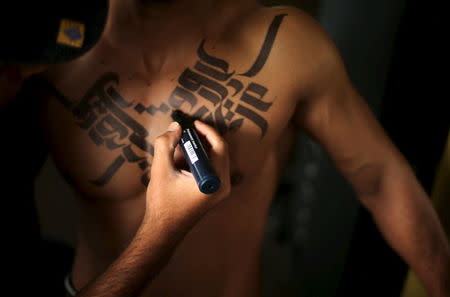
{"points": [[173, 203], [169, 215], [257, 75]]}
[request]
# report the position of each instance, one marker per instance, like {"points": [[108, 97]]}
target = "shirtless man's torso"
{"points": [[247, 70]]}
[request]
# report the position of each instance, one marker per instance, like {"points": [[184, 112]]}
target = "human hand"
{"points": [[173, 196]]}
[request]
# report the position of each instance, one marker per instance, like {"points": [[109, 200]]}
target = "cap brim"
{"points": [[40, 34]]}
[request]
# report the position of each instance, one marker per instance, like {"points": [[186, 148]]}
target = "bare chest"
{"points": [[101, 125]]}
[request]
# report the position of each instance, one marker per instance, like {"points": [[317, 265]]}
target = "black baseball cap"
{"points": [[47, 32]]}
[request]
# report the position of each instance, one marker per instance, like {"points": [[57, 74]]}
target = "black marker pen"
{"points": [[207, 180]]}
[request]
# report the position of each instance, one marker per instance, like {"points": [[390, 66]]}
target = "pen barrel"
{"points": [[207, 180]]}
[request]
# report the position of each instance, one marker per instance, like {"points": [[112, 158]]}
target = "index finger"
{"points": [[218, 154], [213, 137]]}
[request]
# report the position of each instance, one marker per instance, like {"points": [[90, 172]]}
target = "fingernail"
{"points": [[173, 126]]}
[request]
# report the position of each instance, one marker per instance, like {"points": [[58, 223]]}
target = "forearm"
{"points": [[406, 218], [149, 251], [174, 205]]}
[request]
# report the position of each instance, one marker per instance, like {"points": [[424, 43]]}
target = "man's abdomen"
{"points": [[220, 256]]}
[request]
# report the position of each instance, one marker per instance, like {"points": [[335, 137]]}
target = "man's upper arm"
{"points": [[334, 114]]}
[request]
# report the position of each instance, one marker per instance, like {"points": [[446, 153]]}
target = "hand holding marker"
{"points": [[207, 180]]}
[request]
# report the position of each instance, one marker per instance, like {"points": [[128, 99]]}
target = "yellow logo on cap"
{"points": [[71, 33]]}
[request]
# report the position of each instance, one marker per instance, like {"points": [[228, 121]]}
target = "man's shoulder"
{"points": [[289, 45], [290, 27]]}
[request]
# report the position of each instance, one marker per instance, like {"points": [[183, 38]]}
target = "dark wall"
{"points": [[414, 115]]}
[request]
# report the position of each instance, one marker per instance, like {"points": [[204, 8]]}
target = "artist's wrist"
{"points": [[167, 226]]}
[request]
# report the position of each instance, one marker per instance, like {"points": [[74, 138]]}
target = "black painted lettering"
{"points": [[266, 47], [253, 96], [254, 117], [179, 96], [110, 171]]}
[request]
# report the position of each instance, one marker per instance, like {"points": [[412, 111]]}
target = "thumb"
{"points": [[164, 149]]}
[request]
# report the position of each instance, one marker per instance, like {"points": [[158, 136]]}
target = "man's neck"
{"points": [[162, 28]]}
